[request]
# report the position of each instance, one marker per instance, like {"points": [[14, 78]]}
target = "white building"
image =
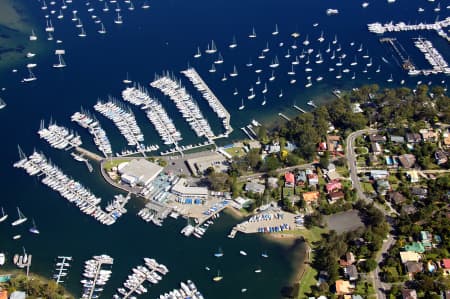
{"points": [[181, 188], [138, 172]]}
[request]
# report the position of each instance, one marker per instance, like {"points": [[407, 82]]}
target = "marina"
{"points": [[68, 188], [124, 120], [62, 268], [169, 86], [155, 113], [59, 137], [438, 63], [213, 101], [151, 272], [188, 290], [95, 276], [438, 26], [85, 120]]}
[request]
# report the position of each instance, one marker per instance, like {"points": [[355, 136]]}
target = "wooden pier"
{"points": [[284, 116], [247, 133], [62, 260], [299, 109], [89, 154]]}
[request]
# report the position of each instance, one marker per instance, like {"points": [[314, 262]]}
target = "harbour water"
{"points": [[165, 37]]}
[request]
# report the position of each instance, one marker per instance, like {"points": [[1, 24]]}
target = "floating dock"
{"points": [[284, 116], [299, 109]]}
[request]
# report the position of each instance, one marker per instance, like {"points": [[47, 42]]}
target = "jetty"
{"points": [[299, 109], [437, 26], [91, 155], [247, 133], [284, 116], [61, 268], [209, 96]]}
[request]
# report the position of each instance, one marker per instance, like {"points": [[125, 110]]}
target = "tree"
{"points": [[271, 163], [324, 160], [254, 158], [219, 181], [369, 265]]}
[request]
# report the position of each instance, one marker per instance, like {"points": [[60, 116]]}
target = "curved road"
{"points": [[350, 155]]}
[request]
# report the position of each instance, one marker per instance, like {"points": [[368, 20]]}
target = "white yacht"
{"points": [[276, 30], [253, 34], [61, 63]]}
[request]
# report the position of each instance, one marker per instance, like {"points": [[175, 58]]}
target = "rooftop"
{"points": [[143, 170]]}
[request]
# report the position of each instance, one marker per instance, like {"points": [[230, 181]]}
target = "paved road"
{"points": [[280, 170], [379, 286]]}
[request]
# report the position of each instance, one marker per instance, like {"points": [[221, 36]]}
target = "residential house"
{"points": [[335, 196], [334, 144], [413, 267], [272, 182], [409, 256], [313, 179], [426, 238], [376, 148], [409, 294], [301, 178], [333, 186], [397, 198], [17, 295], [322, 146], [397, 139], [242, 202], [421, 193], [331, 167], [445, 264], [441, 157], [255, 187], [408, 209], [407, 160], [343, 287], [413, 176], [378, 174], [429, 135], [383, 187], [289, 179], [415, 247], [351, 272], [273, 148], [413, 138], [311, 196], [348, 260], [377, 138]]}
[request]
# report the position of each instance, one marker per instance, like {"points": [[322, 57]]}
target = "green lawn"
{"points": [[309, 279], [367, 187], [235, 151], [110, 164], [311, 235], [343, 171]]}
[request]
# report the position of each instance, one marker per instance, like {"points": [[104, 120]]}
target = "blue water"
{"points": [[165, 37]]}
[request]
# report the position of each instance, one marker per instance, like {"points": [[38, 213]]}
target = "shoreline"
{"points": [[34, 276]]}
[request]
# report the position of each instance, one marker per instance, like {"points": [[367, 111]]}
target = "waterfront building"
{"points": [[138, 172], [182, 189]]}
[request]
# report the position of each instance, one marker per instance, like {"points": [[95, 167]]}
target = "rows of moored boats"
{"points": [[209, 96], [123, 119], [100, 138], [62, 267], [59, 137], [95, 276], [188, 290], [379, 28], [155, 113], [433, 57], [73, 191], [151, 272], [185, 103]]}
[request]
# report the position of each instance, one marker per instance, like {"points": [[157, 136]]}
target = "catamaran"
{"points": [[211, 50], [61, 63], [21, 219], [34, 229], [275, 63], [4, 216]]}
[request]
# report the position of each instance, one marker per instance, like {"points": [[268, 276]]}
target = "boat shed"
{"points": [[139, 172]]}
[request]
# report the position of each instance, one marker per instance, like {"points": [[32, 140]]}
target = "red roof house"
{"points": [[289, 178]]}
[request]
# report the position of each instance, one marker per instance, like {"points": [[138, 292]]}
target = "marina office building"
{"points": [[138, 172], [182, 189]]}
